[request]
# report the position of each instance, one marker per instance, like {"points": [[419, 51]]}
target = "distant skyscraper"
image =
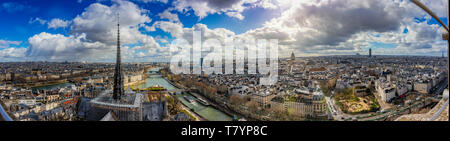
{"points": [[292, 56], [201, 63], [370, 52], [118, 81], [291, 62]]}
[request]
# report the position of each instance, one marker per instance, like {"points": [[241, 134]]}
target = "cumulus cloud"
{"points": [[59, 47], [58, 23], [9, 53], [6, 43], [99, 22], [321, 27], [329, 23], [162, 39], [168, 15], [140, 54], [93, 34], [185, 37], [178, 31], [39, 20], [54, 23], [202, 8], [147, 1], [439, 7], [175, 29], [12, 53], [307, 27], [327, 27], [421, 39]]}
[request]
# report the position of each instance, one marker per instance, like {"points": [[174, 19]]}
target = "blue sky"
{"points": [[53, 29], [15, 25]]}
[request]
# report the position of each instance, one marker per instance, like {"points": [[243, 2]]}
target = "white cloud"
{"points": [[320, 27], [12, 7], [175, 29], [140, 54], [147, 1], [439, 7], [54, 23], [150, 28], [342, 27], [9, 53], [235, 14], [58, 47], [202, 8], [168, 15], [6, 43], [99, 22], [309, 27], [93, 35], [41, 21], [161, 39], [58, 23]]}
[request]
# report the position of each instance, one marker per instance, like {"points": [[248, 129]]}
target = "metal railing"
{"points": [[5, 115], [436, 115]]}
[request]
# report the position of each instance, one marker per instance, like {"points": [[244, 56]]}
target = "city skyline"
{"points": [[81, 30]]}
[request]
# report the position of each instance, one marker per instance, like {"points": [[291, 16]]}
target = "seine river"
{"points": [[208, 112]]}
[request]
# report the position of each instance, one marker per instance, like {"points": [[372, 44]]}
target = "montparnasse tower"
{"points": [[292, 56], [118, 76]]}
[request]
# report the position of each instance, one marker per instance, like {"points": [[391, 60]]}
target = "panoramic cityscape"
{"points": [[338, 60]]}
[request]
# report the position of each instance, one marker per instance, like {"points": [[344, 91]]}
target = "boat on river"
{"points": [[190, 100], [202, 101]]}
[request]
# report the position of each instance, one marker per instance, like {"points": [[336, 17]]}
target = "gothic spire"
{"points": [[118, 81]]}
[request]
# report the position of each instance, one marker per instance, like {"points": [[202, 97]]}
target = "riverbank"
{"points": [[197, 116], [215, 105], [135, 83], [209, 112], [170, 82]]}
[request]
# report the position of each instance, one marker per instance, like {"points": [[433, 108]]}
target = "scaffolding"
{"points": [[128, 108]]}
